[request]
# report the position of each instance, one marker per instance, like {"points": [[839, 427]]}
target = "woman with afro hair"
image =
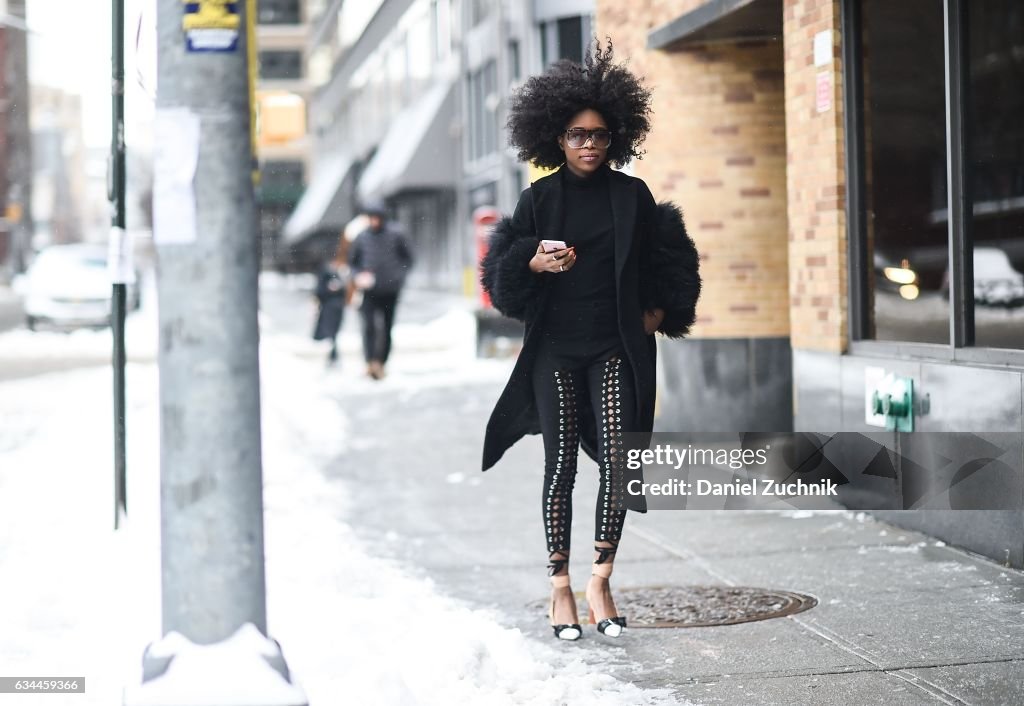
{"points": [[586, 371]]}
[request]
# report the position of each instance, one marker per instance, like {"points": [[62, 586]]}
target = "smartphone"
{"points": [[552, 245]]}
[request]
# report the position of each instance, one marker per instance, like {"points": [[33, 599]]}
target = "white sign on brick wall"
{"points": [[823, 91], [823, 48]]}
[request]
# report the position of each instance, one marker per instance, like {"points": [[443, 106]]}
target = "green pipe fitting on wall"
{"points": [[894, 398]]}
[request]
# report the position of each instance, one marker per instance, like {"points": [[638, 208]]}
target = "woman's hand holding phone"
{"points": [[553, 256]]}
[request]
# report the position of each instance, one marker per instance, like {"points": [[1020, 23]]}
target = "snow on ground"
{"points": [[78, 599]]}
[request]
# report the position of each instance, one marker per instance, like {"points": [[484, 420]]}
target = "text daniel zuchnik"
{"points": [[677, 486]]}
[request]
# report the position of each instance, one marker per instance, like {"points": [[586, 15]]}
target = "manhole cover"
{"points": [[701, 606]]}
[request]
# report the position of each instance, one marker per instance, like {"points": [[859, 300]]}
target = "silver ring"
{"points": [[561, 269]]}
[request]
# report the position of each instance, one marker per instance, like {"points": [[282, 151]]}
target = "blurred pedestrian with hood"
{"points": [[380, 259]]}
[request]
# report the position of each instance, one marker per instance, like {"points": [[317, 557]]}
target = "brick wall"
{"points": [[815, 180], [718, 149]]}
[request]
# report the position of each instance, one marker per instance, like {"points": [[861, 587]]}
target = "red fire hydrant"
{"points": [[484, 218]]}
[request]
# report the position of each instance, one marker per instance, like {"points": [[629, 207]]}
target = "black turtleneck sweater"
{"points": [[582, 301]]}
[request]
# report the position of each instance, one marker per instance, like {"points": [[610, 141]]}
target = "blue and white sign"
{"points": [[211, 25]]}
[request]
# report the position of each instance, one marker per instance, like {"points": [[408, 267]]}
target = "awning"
{"points": [[418, 151], [720, 21], [327, 203]]}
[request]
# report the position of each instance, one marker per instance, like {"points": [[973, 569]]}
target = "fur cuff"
{"points": [[675, 278], [506, 274]]}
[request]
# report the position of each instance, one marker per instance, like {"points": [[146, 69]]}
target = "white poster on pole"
{"points": [[120, 257], [175, 158]]}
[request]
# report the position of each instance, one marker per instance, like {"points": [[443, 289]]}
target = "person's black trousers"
{"points": [[378, 314], [595, 378]]}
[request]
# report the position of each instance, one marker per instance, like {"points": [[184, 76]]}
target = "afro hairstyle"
{"points": [[540, 109]]}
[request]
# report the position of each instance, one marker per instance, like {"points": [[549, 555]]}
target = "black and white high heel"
{"points": [[563, 631]]}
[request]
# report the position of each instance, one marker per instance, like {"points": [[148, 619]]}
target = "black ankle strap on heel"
{"points": [[605, 553], [555, 566]]}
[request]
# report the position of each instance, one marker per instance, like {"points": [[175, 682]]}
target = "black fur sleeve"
{"points": [[505, 271], [674, 283]]}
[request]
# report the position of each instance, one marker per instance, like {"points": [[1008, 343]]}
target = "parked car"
{"points": [[68, 286], [996, 282]]}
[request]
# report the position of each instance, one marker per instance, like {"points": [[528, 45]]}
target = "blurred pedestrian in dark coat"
{"points": [[380, 259], [331, 293]]}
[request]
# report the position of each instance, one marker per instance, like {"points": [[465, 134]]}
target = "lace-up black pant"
{"points": [[568, 383]]}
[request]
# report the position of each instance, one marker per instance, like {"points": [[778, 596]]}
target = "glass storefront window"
{"points": [[280, 65], [905, 169], [996, 144], [279, 12]]}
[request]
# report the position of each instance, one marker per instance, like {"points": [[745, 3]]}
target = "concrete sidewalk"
{"points": [[900, 617]]}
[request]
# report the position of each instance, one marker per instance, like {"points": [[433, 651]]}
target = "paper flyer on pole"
{"points": [[175, 158]]}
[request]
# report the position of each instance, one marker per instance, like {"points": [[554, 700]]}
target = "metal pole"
{"points": [[958, 164], [117, 311], [213, 577]]}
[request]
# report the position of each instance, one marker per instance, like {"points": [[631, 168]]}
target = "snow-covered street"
{"points": [[79, 599]]}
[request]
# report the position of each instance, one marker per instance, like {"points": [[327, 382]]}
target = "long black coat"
{"points": [[656, 266], [330, 291]]}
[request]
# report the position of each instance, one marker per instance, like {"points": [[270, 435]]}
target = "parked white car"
{"points": [[996, 282], [68, 286]]}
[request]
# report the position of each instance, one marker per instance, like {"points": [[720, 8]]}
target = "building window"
{"points": [[905, 168], [281, 182], [900, 187], [483, 105], [564, 38], [280, 65], [515, 68], [279, 12], [996, 144]]}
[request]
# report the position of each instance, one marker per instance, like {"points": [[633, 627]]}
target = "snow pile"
{"points": [[237, 671], [78, 599]]}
